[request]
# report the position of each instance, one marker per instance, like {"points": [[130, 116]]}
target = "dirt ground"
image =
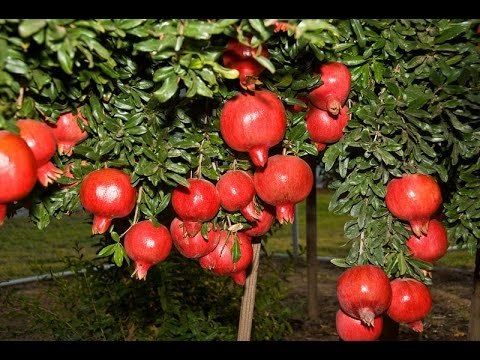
{"points": [[448, 319]]}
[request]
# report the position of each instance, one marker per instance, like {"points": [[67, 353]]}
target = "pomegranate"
{"points": [[324, 128], [147, 245], [239, 277], [220, 260], [411, 302], [285, 181], [108, 194], [253, 123], [351, 329], [364, 292], [264, 223], [432, 246], [192, 247], [236, 192], [39, 137], [18, 170], [332, 94], [414, 198], [68, 133], [197, 203], [241, 57]]}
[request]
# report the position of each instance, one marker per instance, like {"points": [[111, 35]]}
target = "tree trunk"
{"points": [[295, 232], [248, 299], [474, 331], [311, 210]]}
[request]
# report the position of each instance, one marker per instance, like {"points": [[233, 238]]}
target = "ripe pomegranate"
{"points": [[351, 329], [411, 302], [192, 247], [236, 192], [68, 133], [324, 128], [414, 198], [197, 203], [239, 277], [432, 246], [39, 137], [18, 170], [264, 223], [253, 123], [241, 57], [220, 260], [147, 245], [364, 292], [332, 94], [108, 194], [285, 181]]}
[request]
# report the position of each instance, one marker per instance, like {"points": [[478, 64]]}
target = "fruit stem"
{"points": [[200, 160], [137, 213]]}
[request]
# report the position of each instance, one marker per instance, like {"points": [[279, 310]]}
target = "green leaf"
{"points": [[178, 179], [236, 251], [331, 154], [118, 254], [115, 236], [66, 62], [31, 26], [266, 63], [107, 250], [167, 90], [259, 26]]}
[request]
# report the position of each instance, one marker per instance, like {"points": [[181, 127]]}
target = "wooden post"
{"points": [[311, 210], [248, 299], [474, 328]]}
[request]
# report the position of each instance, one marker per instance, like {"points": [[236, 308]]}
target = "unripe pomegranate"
{"points": [[253, 123], [364, 292], [239, 277], [332, 94], [39, 137], [411, 302], [220, 260], [18, 170], [108, 194], [241, 57], [68, 133], [192, 247], [196, 204], [285, 181], [147, 245], [236, 192], [351, 329], [324, 128], [264, 223], [414, 198], [432, 246]]}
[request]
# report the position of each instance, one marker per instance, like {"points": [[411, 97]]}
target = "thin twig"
{"points": [[137, 206], [20, 97], [362, 237]]}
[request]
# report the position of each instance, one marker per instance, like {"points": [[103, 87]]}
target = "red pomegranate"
{"points": [[285, 181], [253, 123], [351, 329], [196, 204], [236, 192], [324, 128], [264, 223], [147, 245], [332, 94], [432, 246], [108, 194], [364, 292], [411, 302], [18, 170], [39, 137], [68, 133], [220, 260], [242, 58], [192, 247], [414, 198], [239, 277]]}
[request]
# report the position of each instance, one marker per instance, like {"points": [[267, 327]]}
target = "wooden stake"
{"points": [[248, 299], [311, 210], [474, 327]]}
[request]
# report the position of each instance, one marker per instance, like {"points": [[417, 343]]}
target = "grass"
{"points": [[25, 250]]}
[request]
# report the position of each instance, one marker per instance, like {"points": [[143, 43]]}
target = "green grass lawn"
{"points": [[25, 250]]}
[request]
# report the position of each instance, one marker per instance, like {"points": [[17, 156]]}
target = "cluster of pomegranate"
{"points": [[364, 292], [25, 158]]}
